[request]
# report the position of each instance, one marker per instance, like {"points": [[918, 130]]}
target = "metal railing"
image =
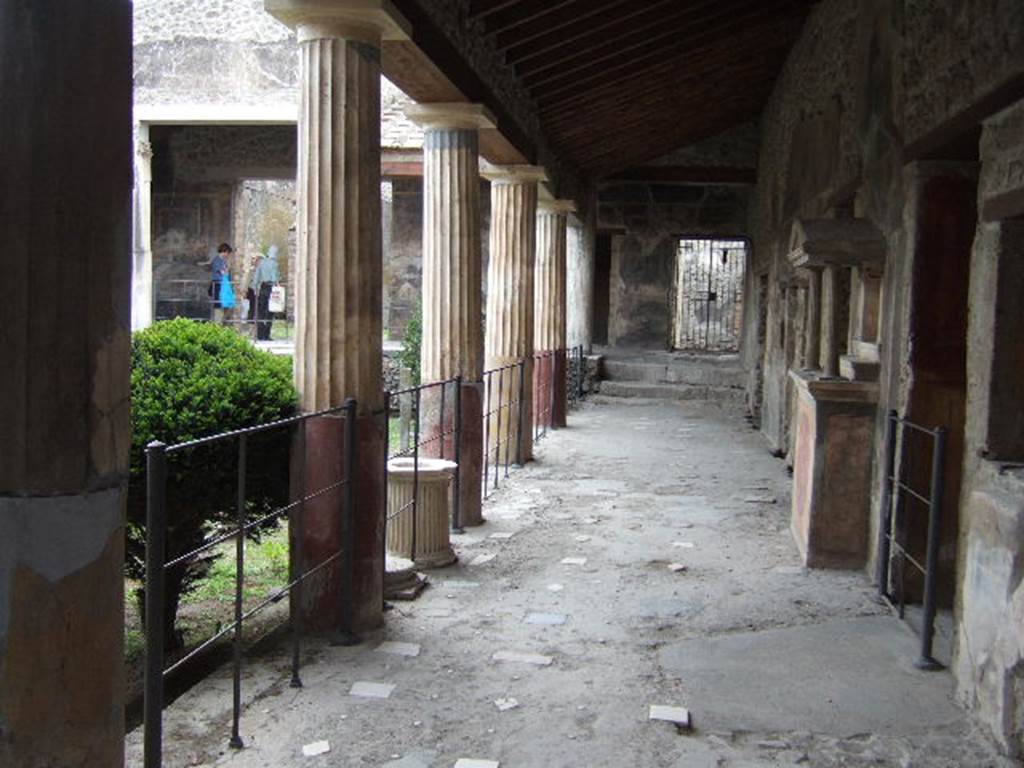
{"points": [[897, 493], [158, 456], [504, 388], [544, 365], [443, 438], [575, 375]]}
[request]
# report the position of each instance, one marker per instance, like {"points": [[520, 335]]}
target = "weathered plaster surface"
{"points": [[990, 652]]}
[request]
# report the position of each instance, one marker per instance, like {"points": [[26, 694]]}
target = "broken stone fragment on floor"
{"points": [[523, 658], [676, 567], [555, 587], [683, 544], [371, 690], [504, 705], [574, 561], [548, 619], [484, 557], [501, 535], [396, 648], [679, 716], [315, 748], [472, 762], [581, 538]]}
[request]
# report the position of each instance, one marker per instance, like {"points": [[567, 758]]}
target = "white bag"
{"points": [[276, 303]]}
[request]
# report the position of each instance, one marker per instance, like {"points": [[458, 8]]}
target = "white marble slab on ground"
{"points": [[472, 762], [370, 690], [523, 658], [397, 648], [678, 715], [574, 561], [316, 748]]}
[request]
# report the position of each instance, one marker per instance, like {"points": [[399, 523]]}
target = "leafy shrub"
{"points": [[192, 380], [409, 357]]}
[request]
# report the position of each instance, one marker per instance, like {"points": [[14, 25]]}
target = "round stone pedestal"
{"points": [[431, 542]]}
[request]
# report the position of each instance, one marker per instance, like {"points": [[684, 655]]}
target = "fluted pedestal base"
{"points": [[420, 533]]}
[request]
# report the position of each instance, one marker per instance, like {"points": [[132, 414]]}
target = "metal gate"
{"points": [[708, 302]]}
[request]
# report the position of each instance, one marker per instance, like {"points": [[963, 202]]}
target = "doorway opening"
{"points": [[708, 298]]}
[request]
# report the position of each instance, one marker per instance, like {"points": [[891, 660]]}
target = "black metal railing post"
{"points": [[156, 530], [522, 411], [416, 470], [885, 521], [348, 635], [489, 375], [497, 434], [927, 661], [387, 455], [236, 682], [457, 500], [296, 560]]}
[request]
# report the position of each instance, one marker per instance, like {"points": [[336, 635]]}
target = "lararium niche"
{"points": [[835, 416]]}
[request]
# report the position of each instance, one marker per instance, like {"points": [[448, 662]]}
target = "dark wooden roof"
{"points": [[618, 82]]}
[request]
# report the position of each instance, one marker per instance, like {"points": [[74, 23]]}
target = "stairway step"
{"points": [[663, 391], [683, 372]]}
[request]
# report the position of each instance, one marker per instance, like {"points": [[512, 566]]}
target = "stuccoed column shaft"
{"points": [[510, 297], [453, 334]]}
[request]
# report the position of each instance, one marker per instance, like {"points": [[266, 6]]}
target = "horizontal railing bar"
{"points": [[231, 627], [253, 430], [918, 427], [254, 523]]}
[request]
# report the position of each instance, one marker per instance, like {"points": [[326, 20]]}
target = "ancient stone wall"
{"points": [[653, 217], [869, 86], [990, 658], [222, 52]]}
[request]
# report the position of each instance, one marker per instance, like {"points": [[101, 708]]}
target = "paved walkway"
{"points": [[643, 559]]}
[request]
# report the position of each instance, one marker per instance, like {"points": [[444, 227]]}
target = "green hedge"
{"points": [[190, 380]]}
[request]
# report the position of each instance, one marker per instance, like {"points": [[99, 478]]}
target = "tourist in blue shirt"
{"points": [[218, 268]]}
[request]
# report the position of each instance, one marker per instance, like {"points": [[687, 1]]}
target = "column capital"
{"points": [[366, 21], [557, 207], [513, 174], [452, 116]]}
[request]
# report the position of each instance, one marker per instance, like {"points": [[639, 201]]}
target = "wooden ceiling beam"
{"points": [[652, 144], [643, 33], [642, 92], [686, 174], [651, 124], [755, 28], [523, 12], [671, 76], [575, 13], [600, 28], [483, 8]]}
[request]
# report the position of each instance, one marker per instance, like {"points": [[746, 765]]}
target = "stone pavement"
{"points": [[644, 559]]}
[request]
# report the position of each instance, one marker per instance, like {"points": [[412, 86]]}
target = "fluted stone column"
{"points": [[65, 434], [339, 276], [550, 304], [453, 334], [510, 310]]}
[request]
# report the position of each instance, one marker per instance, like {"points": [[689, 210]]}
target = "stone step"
{"points": [[663, 391], [697, 372]]}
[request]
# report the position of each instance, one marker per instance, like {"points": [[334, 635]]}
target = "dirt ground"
{"points": [[778, 666]]}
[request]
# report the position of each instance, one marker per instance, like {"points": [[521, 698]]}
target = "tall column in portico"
{"points": [[510, 309], [65, 434], [339, 316], [453, 334], [550, 303]]}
